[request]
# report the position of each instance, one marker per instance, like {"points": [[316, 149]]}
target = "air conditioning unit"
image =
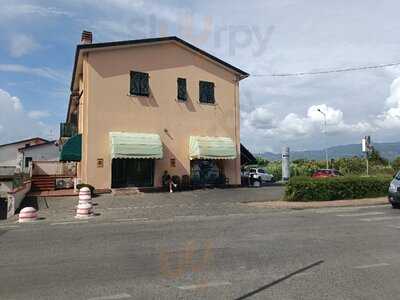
{"points": [[64, 183]]}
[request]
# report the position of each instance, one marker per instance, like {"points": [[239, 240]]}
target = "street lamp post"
{"points": [[326, 139]]}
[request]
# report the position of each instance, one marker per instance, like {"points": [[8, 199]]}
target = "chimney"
{"points": [[87, 37]]}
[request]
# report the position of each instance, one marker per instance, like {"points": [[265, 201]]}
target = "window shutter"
{"points": [[139, 83], [202, 91], [206, 90], [210, 88], [132, 83], [144, 84], [182, 92]]}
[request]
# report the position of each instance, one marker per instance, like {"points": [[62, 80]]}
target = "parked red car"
{"points": [[325, 173]]}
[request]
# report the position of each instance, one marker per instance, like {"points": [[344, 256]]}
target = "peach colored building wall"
{"points": [[106, 106]]}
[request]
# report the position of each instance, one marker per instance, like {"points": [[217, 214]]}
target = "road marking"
{"points": [[204, 285], [335, 209], [69, 222], [129, 220], [344, 209], [379, 219], [374, 213], [9, 226], [118, 208], [371, 266], [394, 226], [112, 297]]}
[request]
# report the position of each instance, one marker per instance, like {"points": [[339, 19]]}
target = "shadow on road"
{"points": [[279, 280]]}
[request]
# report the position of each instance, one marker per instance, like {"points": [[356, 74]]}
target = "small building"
{"points": [[139, 108], [44, 153], [10, 154]]}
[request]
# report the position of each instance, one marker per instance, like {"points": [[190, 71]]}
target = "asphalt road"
{"points": [[335, 253]]}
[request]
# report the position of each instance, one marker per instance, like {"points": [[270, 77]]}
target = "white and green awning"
{"points": [[205, 147], [135, 145]]}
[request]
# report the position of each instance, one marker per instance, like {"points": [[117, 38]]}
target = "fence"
{"points": [[55, 168]]}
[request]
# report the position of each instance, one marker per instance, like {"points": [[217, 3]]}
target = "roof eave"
{"points": [[242, 74]]}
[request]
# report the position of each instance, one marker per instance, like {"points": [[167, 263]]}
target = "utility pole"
{"points": [[326, 139]]}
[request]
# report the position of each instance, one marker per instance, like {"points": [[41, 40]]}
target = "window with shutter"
{"points": [[139, 84], [182, 92], [206, 92]]}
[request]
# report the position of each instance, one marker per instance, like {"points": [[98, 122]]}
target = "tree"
{"points": [[375, 157], [396, 163], [262, 161]]}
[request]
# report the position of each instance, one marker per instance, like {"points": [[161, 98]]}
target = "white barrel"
{"points": [[27, 214]]}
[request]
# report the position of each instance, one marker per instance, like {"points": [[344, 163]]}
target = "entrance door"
{"points": [[205, 171], [132, 172]]}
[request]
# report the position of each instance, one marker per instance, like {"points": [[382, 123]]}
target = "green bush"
{"points": [[336, 188], [275, 168], [396, 164]]}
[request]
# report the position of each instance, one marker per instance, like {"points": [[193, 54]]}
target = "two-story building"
{"points": [[139, 108]]}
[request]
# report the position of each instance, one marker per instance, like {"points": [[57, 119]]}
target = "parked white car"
{"points": [[258, 176]]}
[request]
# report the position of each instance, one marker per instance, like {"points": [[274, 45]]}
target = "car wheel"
{"points": [[395, 205], [256, 183]]}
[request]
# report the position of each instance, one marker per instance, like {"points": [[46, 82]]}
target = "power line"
{"points": [[327, 71]]}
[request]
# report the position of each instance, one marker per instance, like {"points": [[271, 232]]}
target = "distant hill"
{"points": [[387, 150]]}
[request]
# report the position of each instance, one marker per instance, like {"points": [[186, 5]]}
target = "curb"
{"points": [[318, 204]]}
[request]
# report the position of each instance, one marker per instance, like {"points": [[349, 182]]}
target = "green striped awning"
{"points": [[205, 147], [72, 149], [135, 145]]}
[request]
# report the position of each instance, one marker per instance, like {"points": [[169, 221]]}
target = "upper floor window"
{"points": [[206, 92], [182, 92], [139, 84]]}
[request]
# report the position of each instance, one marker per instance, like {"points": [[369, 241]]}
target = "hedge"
{"points": [[336, 188]]}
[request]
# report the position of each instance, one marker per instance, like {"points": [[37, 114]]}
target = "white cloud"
{"points": [[333, 116], [261, 117], [16, 123], [390, 118], [394, 99], [22, 44], [41, 72], [15, 10], [38, 114], [126, 4], [294, 127]]}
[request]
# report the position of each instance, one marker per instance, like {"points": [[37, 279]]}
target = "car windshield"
{"points": [[397, 176]]}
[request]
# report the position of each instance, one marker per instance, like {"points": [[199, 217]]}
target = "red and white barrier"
{"points": [[27, 214], [84, 210], [85, 207], [85, 195]]}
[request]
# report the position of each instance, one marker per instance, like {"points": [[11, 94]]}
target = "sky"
{"points": [[263, 37]]}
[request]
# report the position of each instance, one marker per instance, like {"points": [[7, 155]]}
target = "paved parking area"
{"points": [[203, 202]]}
